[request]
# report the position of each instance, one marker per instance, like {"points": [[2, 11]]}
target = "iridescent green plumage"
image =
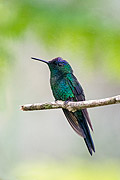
{"points": [[65, 87]]}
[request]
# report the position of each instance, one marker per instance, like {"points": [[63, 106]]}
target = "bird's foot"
{"points": [[66, 102]]}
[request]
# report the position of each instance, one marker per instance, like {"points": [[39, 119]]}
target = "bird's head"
{"points": [[57, 66]]}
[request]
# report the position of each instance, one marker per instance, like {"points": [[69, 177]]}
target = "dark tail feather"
{"points": [[88, 146], [88, 138], [78, 122]]}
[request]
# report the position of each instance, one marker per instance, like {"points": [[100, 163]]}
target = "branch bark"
{"points": [[72, 106]]}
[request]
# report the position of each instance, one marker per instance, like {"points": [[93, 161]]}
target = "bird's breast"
{"points": [[61, 89]]}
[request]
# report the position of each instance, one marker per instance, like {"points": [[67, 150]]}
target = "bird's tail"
{"points": [[88, 139], [87, 136], [78, 122]]}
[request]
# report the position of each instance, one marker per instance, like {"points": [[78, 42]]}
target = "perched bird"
{"points": [[66, 87]]}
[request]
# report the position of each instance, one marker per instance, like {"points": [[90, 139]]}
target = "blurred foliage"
{"points": [[53, 171], [80, 26]]}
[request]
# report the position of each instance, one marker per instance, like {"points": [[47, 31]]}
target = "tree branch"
{"points": [[72, 106]]}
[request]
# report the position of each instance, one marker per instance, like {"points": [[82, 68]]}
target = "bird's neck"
{"points": [[55, 77]]}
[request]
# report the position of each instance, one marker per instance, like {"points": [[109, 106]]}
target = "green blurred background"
{"points": [[41, 145]]}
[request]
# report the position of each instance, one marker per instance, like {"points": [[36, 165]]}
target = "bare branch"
{"points": [[72, 106]]}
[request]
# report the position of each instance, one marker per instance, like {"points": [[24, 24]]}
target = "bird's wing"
{"points": [[78, 95], [78, 119], [74, 122]]}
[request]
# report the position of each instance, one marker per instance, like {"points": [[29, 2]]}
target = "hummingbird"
{"points": [[66, 87]]}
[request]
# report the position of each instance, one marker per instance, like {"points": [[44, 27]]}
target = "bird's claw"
{"points": [[66, 102]]}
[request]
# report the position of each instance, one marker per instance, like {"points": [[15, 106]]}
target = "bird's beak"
{"points": [[40, 60]]}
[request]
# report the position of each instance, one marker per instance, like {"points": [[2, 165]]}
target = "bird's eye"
{"points": [[60, 64]]}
